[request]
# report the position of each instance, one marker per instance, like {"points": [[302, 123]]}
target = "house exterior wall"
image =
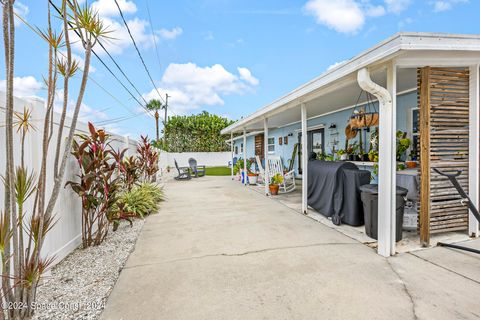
{"points": [[405, 103]]}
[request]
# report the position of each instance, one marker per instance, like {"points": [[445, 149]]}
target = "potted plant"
{"points": [[329, 157], [342, 155], [252, 175], [403, 143], [168, 169], [412, 163], [352, 151], [373, 155], [275, 184]]}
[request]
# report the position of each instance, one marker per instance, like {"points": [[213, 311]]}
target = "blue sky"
{"points": [[224, 56]]}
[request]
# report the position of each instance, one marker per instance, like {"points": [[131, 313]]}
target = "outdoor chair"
{"points": [[198, 171], [183, 172], [275, 166], [261, 170]]}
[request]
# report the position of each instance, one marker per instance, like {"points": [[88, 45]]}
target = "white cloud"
{"points": [[23, 86], [246, 75], [191, 86], [445, 5], [87, 113], [336, 64], [170, 34], [119, 37], [397, 6], [22, 10], [375, 11], [108, 8], [343, 16], [349, 16]]}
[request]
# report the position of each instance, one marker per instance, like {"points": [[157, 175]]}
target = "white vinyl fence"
{"points": [[66, 235], [209, 159]]}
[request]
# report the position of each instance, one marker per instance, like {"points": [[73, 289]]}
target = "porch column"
{"points": [[265, 156], [303, 109], [473, 155], [245, 177], [231, 154], [387, 156], [392, 159]]}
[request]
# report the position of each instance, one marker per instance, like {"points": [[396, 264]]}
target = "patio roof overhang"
{"points": [[338, 89]]}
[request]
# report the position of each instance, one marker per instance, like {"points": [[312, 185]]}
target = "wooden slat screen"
{"points": [[443, 98], [259, 145]]}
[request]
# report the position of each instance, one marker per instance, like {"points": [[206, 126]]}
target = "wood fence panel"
{"points": [[443, 98]]}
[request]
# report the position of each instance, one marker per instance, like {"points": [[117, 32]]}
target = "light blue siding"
{"points": [[405, 103]]}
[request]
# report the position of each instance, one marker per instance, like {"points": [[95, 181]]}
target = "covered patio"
{"points": [[409, 242], [388, 71]]}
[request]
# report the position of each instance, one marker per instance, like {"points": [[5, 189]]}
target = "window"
{"points": [[236, 149], [271, 145], [241, 148]]}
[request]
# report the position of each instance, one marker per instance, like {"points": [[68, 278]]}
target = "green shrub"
{"points": [[142, 200]]}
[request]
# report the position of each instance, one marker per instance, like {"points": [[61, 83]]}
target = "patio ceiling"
{"points": [[344, 96], [337, 89]]}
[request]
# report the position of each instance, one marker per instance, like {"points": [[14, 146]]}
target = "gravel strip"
{"points": [[79, 285]]}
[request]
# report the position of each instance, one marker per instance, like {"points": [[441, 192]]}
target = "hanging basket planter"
{"points": [[366, 116], [357, 121]]}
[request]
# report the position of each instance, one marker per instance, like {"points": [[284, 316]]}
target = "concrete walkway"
{"points": [[218, 250]]}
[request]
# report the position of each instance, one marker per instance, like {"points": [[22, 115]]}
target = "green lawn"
{"points": [[218, 171]]}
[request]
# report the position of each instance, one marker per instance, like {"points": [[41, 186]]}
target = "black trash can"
{"points": [[370, 210]]}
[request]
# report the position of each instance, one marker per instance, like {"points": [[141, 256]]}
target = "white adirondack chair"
{"points": [[275, 165], [260, 169]]}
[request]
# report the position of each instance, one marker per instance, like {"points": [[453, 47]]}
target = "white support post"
{"points": [[387, 156], [265, 151], [245, 176], [231, 154], [392, 168], [304, 159], [474, 152]]}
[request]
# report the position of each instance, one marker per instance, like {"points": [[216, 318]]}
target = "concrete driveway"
{"points": [[218, 250]]}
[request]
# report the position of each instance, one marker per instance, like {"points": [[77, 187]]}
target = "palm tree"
{"points": [[155, 105]]}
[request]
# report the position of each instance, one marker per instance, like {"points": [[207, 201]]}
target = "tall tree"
{"points": [[155, 105]]}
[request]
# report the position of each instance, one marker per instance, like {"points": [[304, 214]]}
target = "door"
{"points": [[260, 146], [316, 140], [315, 143]]}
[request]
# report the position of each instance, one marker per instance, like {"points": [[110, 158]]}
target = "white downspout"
{"points": [[387, 157]]}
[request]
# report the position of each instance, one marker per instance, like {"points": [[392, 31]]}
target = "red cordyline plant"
{"points": [[148, 158], [128, 169], [97, 186]]}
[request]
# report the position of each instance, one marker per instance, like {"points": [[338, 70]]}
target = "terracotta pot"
{"points": [[411, 164], [273, 189]]}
